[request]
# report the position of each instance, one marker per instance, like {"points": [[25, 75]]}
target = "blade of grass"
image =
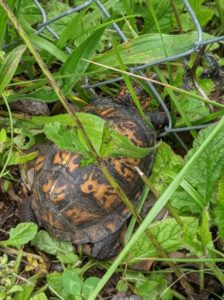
{"points": [[4, 20], [70, 29], [44, 44], [9, 67], [76, 62]]}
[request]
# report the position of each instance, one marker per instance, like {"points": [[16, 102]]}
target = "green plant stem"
{"points": [[173, 4], [170, 209], [17, 265], [174, 214], [15, 116], [208, 118], [55, 292], [178, 295], [119, 191], [181, 260], [161, 202], [201, 277], [218, 273], [132, 222]]}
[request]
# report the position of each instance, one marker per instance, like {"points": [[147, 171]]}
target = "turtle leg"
{"points": [[108, 247], [26, 213], [158, 119]]}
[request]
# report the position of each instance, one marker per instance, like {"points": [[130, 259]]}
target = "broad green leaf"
{"points": [[155, 286], [55, 284], [2, 55], [147, 48], [40, 296], [9, 67], [50, 245], [106, 141], [72, 283], [3, 138], [164, 13], [122, 286], [116, 144], [168, 234], [44, 44], [25, 139], [15, 289], [75, 65], [27, 289], [44, 94], [219, 208], [204, 174], [204, 233], [5, 185], [165, 167], [71, 139], [39, 121], [203, 13], [166, 161], [16, 158], [3, 135], [88, 286], [68, 257], [191, 242], [21, 234], [3, 293], [193, 108], [94, 127], [62, 136]]}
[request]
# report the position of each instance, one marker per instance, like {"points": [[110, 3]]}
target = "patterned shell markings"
{"points": [[78, 204]]}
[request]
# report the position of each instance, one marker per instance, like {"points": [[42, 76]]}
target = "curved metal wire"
{"points": [[67, 13], [195, 21], [44, 18]]}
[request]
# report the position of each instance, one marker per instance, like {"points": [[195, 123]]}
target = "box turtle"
{"points": [[77, 203]]}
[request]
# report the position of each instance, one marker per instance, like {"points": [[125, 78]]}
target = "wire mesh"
{"points": [[139, 69]]}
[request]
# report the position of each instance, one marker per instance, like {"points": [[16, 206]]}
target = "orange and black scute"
{"points": [[78, 204]]}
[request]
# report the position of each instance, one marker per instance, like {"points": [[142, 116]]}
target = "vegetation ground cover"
{"points": [[176, 252]]}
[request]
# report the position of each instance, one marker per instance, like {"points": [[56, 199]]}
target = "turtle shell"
{"points": [[77, 203]]}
